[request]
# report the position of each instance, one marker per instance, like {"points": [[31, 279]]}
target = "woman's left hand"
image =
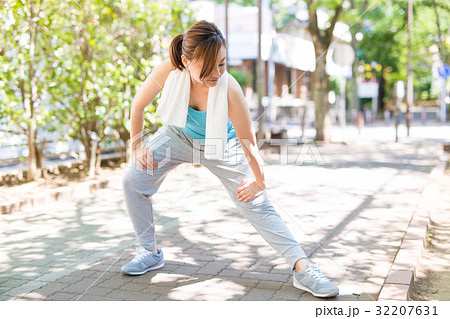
{"points": [[248, 190]]}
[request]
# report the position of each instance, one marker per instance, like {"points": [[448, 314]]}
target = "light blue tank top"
{"points": [[197, 131]]}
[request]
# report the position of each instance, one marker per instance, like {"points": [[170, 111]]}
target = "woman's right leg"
{"points": [[169, 150]]}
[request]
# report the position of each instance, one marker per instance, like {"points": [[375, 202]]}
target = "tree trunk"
{"points": [[320, 85], [381, 93], [32, 169], [355, 99], [322, 40], [124, 136], [31, 97], [87, 147]]}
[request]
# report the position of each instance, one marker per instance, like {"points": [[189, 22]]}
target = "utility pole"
{"points": [[226, 28], [409, 80], [260, 77], [444, 75]]}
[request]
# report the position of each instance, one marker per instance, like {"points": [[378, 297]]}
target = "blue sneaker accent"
{"points": [[312, 280], [144, 261]]}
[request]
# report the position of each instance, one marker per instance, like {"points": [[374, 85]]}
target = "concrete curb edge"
{"points": [[64, 192], [403, 271]]}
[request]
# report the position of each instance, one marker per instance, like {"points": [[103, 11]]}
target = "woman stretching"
{"points": [[206, 120]]}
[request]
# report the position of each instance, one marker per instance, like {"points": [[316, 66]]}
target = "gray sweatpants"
{"points": [[171, 147]]}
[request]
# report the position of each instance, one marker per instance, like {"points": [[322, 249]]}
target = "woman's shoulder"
{"points": [[234, 88], [161, 72], [166, 66]]}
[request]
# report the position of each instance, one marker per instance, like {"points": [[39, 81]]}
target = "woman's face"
{"points": [[210, 80]]}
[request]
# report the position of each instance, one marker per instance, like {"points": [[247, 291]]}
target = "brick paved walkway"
{"points": [[357, 207]]}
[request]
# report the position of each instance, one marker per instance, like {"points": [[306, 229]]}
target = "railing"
{"points": [[19, 164], [283, 113]]}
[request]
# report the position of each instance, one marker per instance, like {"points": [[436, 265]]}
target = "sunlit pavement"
{"points": [[348, 204]]}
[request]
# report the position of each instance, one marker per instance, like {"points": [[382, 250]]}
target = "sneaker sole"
{"points": [[158, 266], [301, 287]]}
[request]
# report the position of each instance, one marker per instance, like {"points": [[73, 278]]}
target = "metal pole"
{"points": [[443, 104], [342, 107], [396, 115], [226, 28], [260, 77], [409, 80], [374, 109], [342, 103]]}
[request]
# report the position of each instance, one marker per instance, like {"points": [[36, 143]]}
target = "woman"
{"points": [[200, 56]]}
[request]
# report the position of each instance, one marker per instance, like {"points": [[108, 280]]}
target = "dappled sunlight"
{"points": [[202, 290], [350, 217], [69, 231], [161, 278]]}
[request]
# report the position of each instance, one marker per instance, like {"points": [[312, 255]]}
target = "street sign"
{"points": [[444, 71], [343, 55]]}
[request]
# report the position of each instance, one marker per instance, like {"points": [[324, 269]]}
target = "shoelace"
{"points": [[313, 271], [142, 253]]}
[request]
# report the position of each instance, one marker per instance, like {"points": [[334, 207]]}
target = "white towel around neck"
{"points": [[173, 109]]}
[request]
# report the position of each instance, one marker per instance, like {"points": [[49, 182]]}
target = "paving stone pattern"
{"points": [[350, 216]]}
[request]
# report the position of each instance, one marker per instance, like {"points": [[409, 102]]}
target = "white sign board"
{"points": [[400, 89], [368, 90], [343, 55]]}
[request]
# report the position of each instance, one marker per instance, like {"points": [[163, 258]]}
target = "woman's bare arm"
{"points": [[239, 114], [144, 96]]}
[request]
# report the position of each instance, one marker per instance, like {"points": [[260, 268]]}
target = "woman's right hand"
{"points": [[144, 158]]}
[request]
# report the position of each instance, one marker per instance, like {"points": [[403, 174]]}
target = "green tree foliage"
{"points": [[104, 52], [384, 42], [88, 58], [24, 72], [322, 38]]}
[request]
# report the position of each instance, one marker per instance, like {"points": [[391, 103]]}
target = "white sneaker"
{"points": [[313, 281], [144, 261]]}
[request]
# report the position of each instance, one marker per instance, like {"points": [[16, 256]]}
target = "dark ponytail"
{"points": [[176, 50]]}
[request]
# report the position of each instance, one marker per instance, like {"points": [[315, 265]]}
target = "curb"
{"points": [[67, 192], [60, 193], [403, 271]]}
